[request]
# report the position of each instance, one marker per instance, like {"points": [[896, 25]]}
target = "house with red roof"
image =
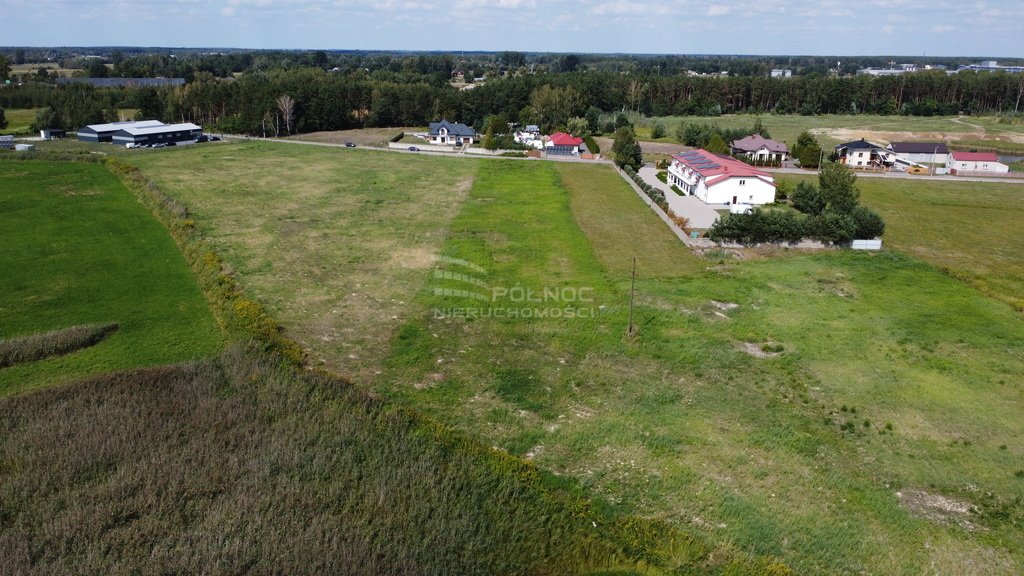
{"points": [[562, 144], [959, 162], [719, 179], [761, 149]]}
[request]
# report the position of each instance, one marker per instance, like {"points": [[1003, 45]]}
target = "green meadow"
{"points": [[845, 412], [77, 248]]}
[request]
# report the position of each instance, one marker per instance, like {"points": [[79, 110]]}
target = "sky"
{"points": [[828, 27]]}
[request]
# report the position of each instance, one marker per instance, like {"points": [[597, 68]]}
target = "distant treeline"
{"points": [[387, 90]]}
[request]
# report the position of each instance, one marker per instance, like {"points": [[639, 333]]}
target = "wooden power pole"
{"points": [[631, 330]]}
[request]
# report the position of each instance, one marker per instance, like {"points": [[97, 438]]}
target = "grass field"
{"points": [[800, 454], [833, 129], [19, 121], [334, 241], [822, 408], [968, 228], [77, 248]]}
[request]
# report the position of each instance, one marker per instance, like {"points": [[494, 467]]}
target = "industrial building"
{"points": [[105, 132], [163, 134]]}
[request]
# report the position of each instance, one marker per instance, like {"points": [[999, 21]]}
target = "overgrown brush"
{"points": [[242, 464], [58, 342]]}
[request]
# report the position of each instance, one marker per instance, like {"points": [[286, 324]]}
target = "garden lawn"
{"points": [[77, 248]]}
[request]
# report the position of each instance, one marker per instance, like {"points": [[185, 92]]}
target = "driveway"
{"points": [[700, 215]]}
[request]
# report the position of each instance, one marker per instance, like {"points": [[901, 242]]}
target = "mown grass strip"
{"points": [[58, 342]]}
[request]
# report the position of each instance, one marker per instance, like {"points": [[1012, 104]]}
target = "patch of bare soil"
{"points": [[767, 350], [938, 508], [881, 136]]}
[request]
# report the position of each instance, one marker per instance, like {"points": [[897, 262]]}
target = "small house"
{"points": [[761, 149], [562, 144], [976, 162]]}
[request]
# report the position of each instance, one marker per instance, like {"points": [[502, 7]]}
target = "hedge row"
{"points": [[653, 193], [56, 343]]}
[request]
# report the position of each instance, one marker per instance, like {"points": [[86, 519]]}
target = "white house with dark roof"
{"points": [[759, 148], [719, 180], [920, 152], [454, 133], [863, 154]]}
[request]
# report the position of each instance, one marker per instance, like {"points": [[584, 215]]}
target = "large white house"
{"points": [[719, 179], [445, 132], [975, 162]]}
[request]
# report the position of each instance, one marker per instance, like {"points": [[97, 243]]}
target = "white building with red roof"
{"points": [[958, 162], [719, 179], [563, 144]]}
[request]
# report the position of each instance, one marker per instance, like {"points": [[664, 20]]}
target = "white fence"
{"points": [[866, 245]]}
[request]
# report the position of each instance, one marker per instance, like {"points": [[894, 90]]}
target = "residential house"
{"points": [[718, 180], [759, 148], [920, 152], [863, 155], [6, 142], [529, 136], [454, 133], [781, 73], [562, 144], [975, 162]]}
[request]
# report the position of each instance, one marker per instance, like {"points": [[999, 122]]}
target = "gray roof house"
{"points": [[760, 147], [921, 152], [445, 132], [862, 154]]}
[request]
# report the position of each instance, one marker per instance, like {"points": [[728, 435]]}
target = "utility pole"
{"points": [[631, 330]]}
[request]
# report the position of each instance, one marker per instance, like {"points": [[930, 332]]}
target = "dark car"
{"points": [[350, 144], [214, 138], [202, 138], [413, 149]]}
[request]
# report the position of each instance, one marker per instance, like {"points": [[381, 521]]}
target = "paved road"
{"points": [[700, 215]]}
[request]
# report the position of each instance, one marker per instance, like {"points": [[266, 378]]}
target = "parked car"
{"points": [[131, 145], [202, 138], [157, 145], [214, 138], [350, 144], [413, 149]]}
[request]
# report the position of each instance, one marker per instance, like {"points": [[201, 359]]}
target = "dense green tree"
{"points": [[716, 145], [3, 119], [833, 228], [96, 69], [578, 127], [626, 150], [5, 67], [868, 224], [658, 130], [621, 121], [45, 118], [593, 117], [807, 199], [838, 187]]}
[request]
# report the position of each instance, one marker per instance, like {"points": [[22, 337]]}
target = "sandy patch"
{"points": [[938, 508]]}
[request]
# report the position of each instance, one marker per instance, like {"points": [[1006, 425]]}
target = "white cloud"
{"points": [[719, 10], [943, 28]]}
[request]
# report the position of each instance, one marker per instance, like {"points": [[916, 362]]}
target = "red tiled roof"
{"points": [[717, 169], [754, 142], [563, 139], [975, 156]]}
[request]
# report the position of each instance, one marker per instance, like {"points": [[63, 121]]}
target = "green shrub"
{"points": [[758, 227], [833, 228], [592, 145], [663, 176], [868, 223]]}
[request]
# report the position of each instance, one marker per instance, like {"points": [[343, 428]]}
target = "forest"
{"points": [[237, 92]]}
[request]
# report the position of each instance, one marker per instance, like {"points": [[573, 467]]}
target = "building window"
{"points": [[743, 182]]}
